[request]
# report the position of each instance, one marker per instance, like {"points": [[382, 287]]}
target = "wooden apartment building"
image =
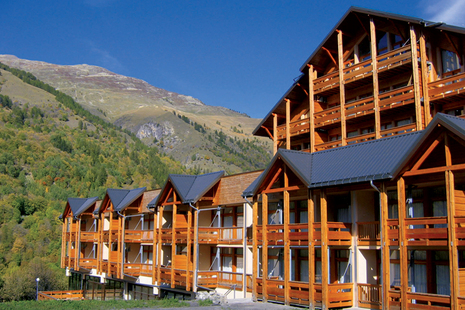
{"points": [[363, 204]]}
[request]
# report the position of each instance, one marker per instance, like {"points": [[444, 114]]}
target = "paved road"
{"points": [[230, 306]]}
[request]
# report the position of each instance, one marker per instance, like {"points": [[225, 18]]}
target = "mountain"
{"points": [[202, 137]]}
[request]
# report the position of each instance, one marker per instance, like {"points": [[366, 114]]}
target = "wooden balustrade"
{"points": [[359, 107], [340, 295], [395, 58], [396, 98], [328, 145], [369, 296], [360, 138], [136, 270], [166, 235], [275, 234], [275, 290], [358, 71], [460, 230], [230, 235], [398, 130], [368, 233], [298, 292], [326, 82], [88, 263], [207, 279], [60, 295], [259, 234], [427, 301], [165, 275], [89, 236], [208, 235], [328, 116], [339, 233], [259, 287], [180, 234], [298, 234], [426, 231], [449, 85]]}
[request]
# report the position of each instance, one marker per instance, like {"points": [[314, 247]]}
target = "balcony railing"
{"points": [[298, 234], [88, 263], [451, 84], [138, 236], [230, 235], [275, 290], [369, 296], [340, 295], [426, 231], [298, 292], [368, 233], [428, 301], [61, 295], [89, 236], [275, 234], [136, 270]]}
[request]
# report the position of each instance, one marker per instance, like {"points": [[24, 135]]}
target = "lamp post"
{"points": [[37, 288]]}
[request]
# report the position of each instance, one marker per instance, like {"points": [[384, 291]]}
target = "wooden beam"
{"points": [[287, 246], [424, 80], [275, 177], [255, 251], [311, 111], [275, 133], [434, 170], [385, 252], [196, 241], [342, 96], [374, 64], [452, 242], [264, 247], [416, 79], [402, 243], [330, 55], [305, 91], [173, 242], [160, 256], [268, 131], [288, 120], [324, 251], [154, 248], [189, 250], [280, 190], [311, 249], [428, 152]]}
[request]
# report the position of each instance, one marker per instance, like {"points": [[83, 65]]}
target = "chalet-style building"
{"points": [[138, 244], [362, 205]]}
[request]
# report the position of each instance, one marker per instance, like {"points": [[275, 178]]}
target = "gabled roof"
{"points": [[454, 124], [121, 198], [79, 205], [380, 159], [190, 188]]}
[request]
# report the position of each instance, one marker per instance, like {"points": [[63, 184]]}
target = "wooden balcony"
{"points": [[326, 84], [460, 230], [166, 235], [298, 293], [275, 234], [88, 263], [427, 301], [136, 270], [180, 235], [298, 234], [89, 236], [275, 290], [369, 296], [339, 233], [230, 235], [368, 233], [138, 236], [223, 279], [259, 234], [208, 235], [165, 275], [426, 231], [450, 87], [340, 295]]}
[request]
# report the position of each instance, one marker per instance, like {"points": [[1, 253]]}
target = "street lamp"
{"points": [[37, 288]]}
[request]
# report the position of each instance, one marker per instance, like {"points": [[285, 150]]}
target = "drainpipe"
{"points": [[381, 236], [244, 286], [196, 270]]}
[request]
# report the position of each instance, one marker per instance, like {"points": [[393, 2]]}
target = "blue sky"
{"points": [[240, 54]]}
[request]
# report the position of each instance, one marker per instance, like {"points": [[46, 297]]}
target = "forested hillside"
{"points": [[52, 149]]}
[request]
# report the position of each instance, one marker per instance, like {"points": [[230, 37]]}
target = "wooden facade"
{"points": [[158, 240]]}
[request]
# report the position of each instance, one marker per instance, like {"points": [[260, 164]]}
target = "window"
{"points": [[450, 61]]}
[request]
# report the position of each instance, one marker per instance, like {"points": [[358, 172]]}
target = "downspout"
{"points": [[380, 234], [245, 246]]}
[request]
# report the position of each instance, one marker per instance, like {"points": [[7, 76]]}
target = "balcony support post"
{"points": [[189, 249], [374, 66], [288, 120], [384, 247], [264, 246], [311, 248], [452, 244], [287, 246], [275, 133], [160, 256], [311, 107], [255, 251], [342, 95], [416, 79], [424, 79], [173, 242], [324, 251], [402, 243]]}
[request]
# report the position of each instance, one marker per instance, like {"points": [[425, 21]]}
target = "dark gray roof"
{"points": [[121, 198], [79, 205], [372, 160], [191, 187], [153, 202]]}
